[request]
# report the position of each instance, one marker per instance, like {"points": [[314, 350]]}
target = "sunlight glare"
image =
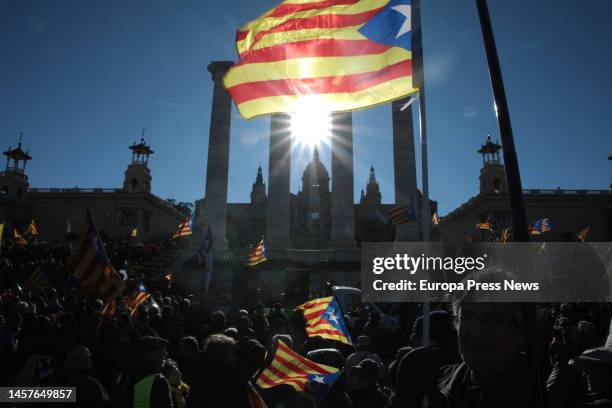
{"points": [[310, 125]]}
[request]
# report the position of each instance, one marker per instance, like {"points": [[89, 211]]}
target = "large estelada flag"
{"points": [[303, 375], [335, 55], [324, 319], [91, 266]]}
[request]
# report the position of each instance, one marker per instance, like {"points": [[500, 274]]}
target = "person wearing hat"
{"points": [[145, 386], [363, 349], [365, 391]]}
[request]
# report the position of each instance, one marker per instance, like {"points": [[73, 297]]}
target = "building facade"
{"points": [[58, 211]]}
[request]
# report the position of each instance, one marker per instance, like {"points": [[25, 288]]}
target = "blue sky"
{"points": [[82, 78]]}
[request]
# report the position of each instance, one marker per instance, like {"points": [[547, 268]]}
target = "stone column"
{"points": [[215, 204], [404, 166], [342, 197], [279, 172]]}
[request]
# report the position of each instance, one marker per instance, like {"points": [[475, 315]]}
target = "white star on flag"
{"points": [[318, 379], [407, 25], [333, 317]]}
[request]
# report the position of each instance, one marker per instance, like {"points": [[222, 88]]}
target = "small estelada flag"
{"points": [[19, 239], [486, 226], [435, 220], [184, 229], [584, 233], [305, 376], [257, 254], [32, 229]]}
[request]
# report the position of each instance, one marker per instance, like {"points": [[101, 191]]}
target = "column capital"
{"points": [[218, 69]]}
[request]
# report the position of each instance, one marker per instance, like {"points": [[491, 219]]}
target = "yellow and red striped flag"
{"points": [[90, 264], [324, 319], [19, 239], [335, 55], [584, 233], [301, 374], [184, 229], [32, 229], [257, 254], [136, 299]]}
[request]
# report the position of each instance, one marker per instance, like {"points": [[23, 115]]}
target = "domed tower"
{"points": [[258, 193], [138, 175], [314, 204], [372, 195], [13, 180], [492, 174]]}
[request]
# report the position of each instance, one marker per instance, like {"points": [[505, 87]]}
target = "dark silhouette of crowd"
{"points": [[179, 350]]}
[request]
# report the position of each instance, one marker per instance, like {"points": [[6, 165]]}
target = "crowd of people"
{"points": [[178, 350]]}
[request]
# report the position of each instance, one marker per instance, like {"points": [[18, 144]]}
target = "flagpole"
{"points": [[513, 180], [419, 81]]}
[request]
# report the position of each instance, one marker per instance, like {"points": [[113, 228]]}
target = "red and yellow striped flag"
{"points": [[301, 374], [306, 53]]}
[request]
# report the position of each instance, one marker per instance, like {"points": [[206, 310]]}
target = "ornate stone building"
{"points": [[116, 211], [569, 211]]}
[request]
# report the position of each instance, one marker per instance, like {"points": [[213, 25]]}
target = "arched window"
{"points": [[4, 190], [134, 184]]}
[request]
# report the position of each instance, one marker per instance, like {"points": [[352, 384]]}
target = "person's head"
{"points": [[220, 347], [151, 351], [285, 338], [490, 335], [78, 359], [441, 329], [363, 343], [365, 374], [187, 347], [218, 320]]}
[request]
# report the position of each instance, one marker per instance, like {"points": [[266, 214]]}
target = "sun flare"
{"points": [[310, 125]]}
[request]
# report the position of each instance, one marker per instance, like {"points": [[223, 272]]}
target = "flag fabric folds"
{"points": [[486, 226], [435, 220], [184, 229], [584, 233], [505, 235], [539, 226], [257, 254], [19, 239], [335, 55], [32, 229], [136, 298], [303, 375], [37, 280], [402, 214], [324, 319], [91, 266]]}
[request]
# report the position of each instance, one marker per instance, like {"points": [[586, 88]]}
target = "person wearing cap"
{"points": [[145, 386], [363, 349], [365, 391]]}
